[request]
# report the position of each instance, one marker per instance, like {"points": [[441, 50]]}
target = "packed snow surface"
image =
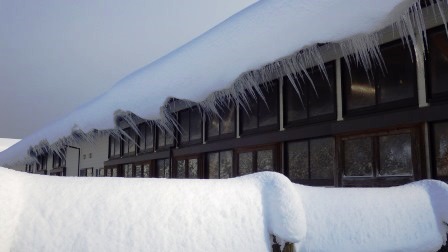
{"points": [[41, 213], [260, 34]]}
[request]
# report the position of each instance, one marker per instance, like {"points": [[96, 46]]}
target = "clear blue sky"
{"points": [[58, 54]]}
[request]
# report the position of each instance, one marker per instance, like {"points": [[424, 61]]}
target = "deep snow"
{"points": [[42, 213]]}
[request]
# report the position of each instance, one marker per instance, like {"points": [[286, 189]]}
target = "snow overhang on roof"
{"points": [[267, 40]]}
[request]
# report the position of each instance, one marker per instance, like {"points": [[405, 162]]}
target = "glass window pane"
{"points": [[228, 120], [265, 160], [359, 91], [117, 147], [268, 109], [111, 150], [358, 156], [149, 142], [138, 171], [321, 97], [160, 138], [395, 155], [438, 54], [131, 141], [89, 172], [298, 160], [213, 126], [115, 172], [101, 173], [184, 121], [162, 168], [167, 168], [180, 169], [295, 104], [322, 158], [195, 125], [109, 172], [225, 164], [126, 142], [248, 114], [193, 168], [128, 170], [441, 148], [213, 165], [146, 171], [400, 79], [245, 163], [169, 139]]}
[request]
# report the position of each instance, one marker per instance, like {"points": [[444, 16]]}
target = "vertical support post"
{"points": [[339, 90]]}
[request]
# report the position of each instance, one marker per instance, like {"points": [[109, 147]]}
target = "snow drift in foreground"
{"points": [[253, 46], [41, 213]]}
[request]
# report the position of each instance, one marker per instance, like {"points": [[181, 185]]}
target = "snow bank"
{"points": [[405, 218], [42, 213], [236, 55]]}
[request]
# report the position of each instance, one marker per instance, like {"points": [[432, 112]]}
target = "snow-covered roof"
{"points": [[269, 39]]}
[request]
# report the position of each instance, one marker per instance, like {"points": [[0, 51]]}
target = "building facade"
{"points": [[342, 127]]}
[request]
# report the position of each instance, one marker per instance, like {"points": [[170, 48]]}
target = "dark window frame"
{"points": [[417, 150], [144, 131], [156, 168], [437, 98], [220, 135], [272, 86], [432, 151], [165, 146], [189, 111], [207, 168], [84, 171], [276, 157], [311, 181], [187, 170], [378, 107], [125, 141], [116, 140], [312, 119]]}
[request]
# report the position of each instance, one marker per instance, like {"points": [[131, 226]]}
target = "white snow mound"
{"points": [[42, 213], [412, 217]]}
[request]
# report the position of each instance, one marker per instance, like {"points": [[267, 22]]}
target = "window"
{"points": [[86, 172], [58, 161], [311, 161], [223, 125], [164, 139], [114, 147], [129, 142], [101, 172], [190, 121], [263, 158], [128, 170], [163, 168], [146, 141], [437, 65], [392, 87], [314, 101], [29, 168], [112, 172], [42, 162], [380, 159], [440, 150], [261, 113], [146, 170], [187, 167], [220, 164]]}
